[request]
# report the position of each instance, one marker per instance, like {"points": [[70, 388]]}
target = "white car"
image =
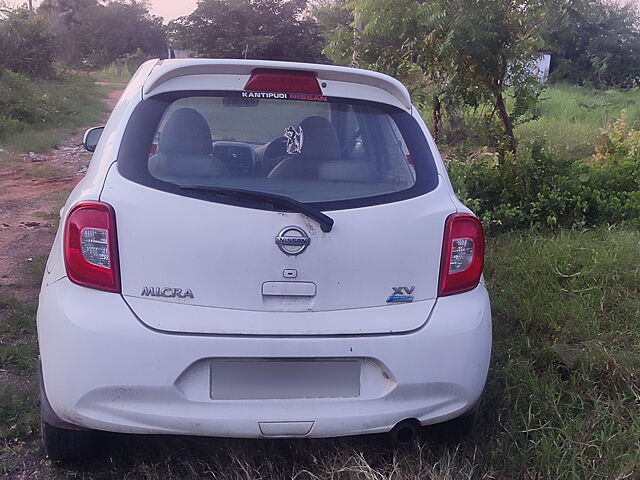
{"points": [[261, 249]]}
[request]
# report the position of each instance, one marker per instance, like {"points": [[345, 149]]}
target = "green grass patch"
{"points": [[19, 408], [52, 217], [571, 118], [564, 385], [38, 114], [46, 171], [32, 140], [118, 72], [18, 352]]}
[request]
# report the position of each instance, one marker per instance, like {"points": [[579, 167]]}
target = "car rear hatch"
{"points": [[201, 252]]}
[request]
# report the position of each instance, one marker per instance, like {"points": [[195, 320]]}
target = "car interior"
{"points": [[196, 143]]}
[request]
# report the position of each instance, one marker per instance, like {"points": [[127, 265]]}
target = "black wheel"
{"points": [[66, 444], [457, 429]]}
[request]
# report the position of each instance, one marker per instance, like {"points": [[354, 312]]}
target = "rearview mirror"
{"points": [[240, 102], [91, 138]]}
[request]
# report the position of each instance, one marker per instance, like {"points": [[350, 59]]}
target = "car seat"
{"points": [[185, 149]]}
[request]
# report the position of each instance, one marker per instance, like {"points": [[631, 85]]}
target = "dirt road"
{"points": [[33, 187]]}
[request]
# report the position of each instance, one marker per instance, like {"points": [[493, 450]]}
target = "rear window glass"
{"points": [[332, 153]]}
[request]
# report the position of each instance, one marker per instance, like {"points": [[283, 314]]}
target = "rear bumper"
{"points": [[103, 369]]}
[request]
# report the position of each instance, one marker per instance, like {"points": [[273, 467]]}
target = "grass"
{"points": [[571, 118], [562, 399], [115, 73], [567, 354], [18, 369], [67, 103], [46, 171], [52, 217]]}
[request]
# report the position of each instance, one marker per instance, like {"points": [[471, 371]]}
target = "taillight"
{"points": [[462, 254], [90, 246], [283, 81]]}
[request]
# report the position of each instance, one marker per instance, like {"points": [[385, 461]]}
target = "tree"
{"points": [[65, 16], [117, 29], [470, 51], [258, 29], [92, 33], [595, 41], [26, 43]]}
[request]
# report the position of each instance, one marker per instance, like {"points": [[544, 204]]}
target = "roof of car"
{"points": [[165, 70]]}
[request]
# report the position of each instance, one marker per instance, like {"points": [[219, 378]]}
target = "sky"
{"points": [[168, 9]]}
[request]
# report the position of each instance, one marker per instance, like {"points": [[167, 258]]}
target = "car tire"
{"points": [[457, 429], [66, 444]]}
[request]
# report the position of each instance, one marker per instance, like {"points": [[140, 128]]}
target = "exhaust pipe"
{"points": [[404, 433]]}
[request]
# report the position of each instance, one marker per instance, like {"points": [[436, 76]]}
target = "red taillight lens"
{"points": [[462, 254], [283, 81], [90, 246]]}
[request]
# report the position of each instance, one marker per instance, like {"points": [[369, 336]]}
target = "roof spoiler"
{"points": [[166, 70]]}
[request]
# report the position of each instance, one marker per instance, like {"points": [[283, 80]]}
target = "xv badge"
{"points": [[401, 295]]}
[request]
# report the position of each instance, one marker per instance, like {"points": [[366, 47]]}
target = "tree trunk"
{"points": [[437, 117], [507, 125]]}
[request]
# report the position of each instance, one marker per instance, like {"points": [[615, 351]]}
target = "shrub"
{"points": [[534, 189], [27, 44], [28, 106], [21, 104]]}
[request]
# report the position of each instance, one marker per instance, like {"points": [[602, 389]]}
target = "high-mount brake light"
{"points": [[90, 246], [283, 81], [462, 254]]}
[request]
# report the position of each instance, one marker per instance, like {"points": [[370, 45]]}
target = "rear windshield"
{"points": [[329, 152]]}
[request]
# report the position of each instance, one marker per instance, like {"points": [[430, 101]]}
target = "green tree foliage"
{"points": [[469, 51], [26, 43], [257, 29], [94, 34], [117, 29], [65, 16], [595, 41]]}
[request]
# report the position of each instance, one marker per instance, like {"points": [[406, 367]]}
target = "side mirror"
{"points": [[91, 138]]}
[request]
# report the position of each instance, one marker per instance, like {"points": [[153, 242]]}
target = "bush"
{"points": [[534, 189], [21, 104], [28, 106], [27, 44]]}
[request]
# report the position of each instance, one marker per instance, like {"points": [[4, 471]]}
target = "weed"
{"points": [[47, 109], [571, 118], [46, 171], [52, 217]]}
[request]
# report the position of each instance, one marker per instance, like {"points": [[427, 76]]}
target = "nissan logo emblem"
{"points": [[292, 240]]}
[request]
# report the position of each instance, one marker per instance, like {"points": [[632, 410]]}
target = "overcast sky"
{"points": [[168, 9]]}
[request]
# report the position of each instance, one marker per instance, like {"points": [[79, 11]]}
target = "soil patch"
{"points": [[33, 187]]}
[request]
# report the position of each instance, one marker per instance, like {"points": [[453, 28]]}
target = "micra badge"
{"points": [[167, 292], [401, 295]]}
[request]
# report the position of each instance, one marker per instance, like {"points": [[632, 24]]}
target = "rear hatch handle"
{"points": [[325, 221]]}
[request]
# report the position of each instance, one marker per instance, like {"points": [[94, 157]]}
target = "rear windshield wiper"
{"points": [[326, 222]]}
